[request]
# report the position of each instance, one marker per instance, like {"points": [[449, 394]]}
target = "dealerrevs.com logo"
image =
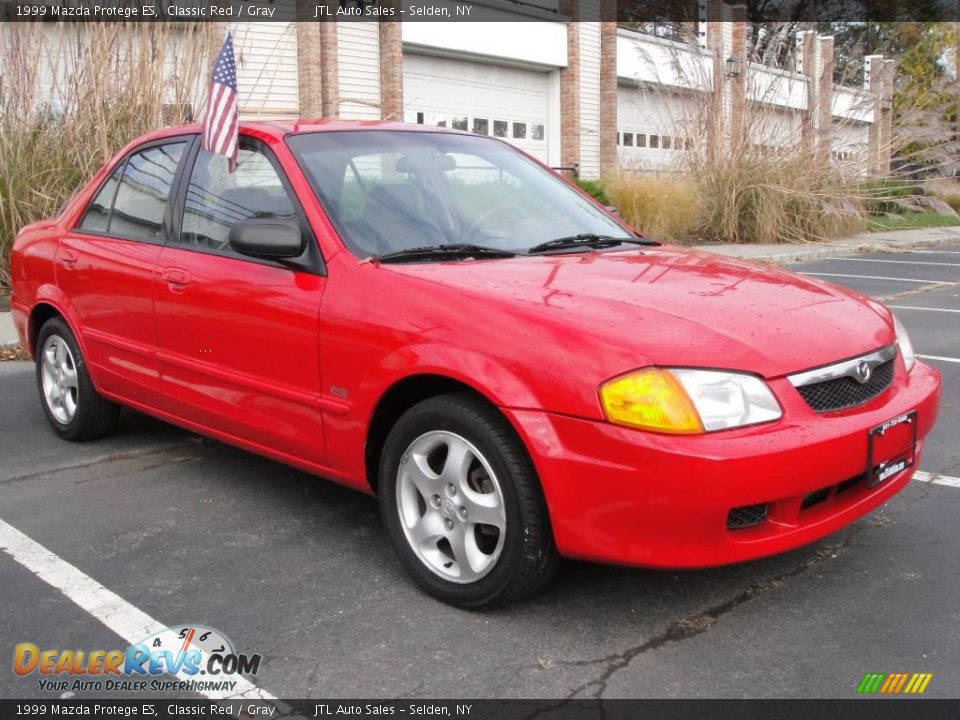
{"points": [[201, 658]]}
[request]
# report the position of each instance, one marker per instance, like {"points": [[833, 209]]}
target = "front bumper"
{"points": [[637, 498]]}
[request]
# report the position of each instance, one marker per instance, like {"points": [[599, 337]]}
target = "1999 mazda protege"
{"points": [[439, 319]]}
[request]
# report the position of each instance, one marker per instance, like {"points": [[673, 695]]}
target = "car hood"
{"points": [[616, 311]]}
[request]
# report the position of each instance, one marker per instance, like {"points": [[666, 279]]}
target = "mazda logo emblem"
{"points": [[862, 371]]}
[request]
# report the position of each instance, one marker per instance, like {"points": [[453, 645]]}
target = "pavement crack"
{"points": [[689, 627], [114, 457]]}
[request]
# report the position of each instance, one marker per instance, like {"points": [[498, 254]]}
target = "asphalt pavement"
{"points": [[187, 530]]}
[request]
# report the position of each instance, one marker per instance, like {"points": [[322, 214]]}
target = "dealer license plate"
{"points": [[891, 448]]}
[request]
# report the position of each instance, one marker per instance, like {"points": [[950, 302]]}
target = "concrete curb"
{"points": [[872, 242]]}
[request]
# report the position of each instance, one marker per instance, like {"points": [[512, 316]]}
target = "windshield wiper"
{"points": [[460, 250], [588, 240]]}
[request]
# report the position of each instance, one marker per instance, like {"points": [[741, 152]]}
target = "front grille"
{"points": [[746, 516], [845, 392]]}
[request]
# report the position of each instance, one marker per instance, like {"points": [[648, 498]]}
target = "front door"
{"points": [[238, 336], [105, 266]]}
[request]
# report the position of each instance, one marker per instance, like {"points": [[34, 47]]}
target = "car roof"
{"points": [[278, 129]]}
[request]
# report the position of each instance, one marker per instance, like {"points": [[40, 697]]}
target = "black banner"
{"points": [[622, 11], [854, 709]]}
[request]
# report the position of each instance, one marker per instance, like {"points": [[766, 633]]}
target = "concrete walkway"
{"points": [[866, 242]]}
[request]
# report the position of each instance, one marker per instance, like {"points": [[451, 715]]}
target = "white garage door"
{"points": [[504, 102], [654, 129]]}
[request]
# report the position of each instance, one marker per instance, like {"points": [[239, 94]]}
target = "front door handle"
{"points": [[69, 258], [176, 278]]}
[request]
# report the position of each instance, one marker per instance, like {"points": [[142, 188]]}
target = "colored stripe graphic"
{"points": [[871, 682], [894, 683]]}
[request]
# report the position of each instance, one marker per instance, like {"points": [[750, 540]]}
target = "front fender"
{"points": [[348, 426], [485, 374]]}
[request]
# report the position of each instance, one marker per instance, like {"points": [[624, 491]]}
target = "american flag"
{"points": [[220, 121]]}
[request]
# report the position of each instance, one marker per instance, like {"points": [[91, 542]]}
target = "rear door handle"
{"points": [[176, 278], [69, 258]]}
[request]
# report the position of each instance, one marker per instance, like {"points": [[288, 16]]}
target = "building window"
{"points": [[500, 128], [666, 142], [519, 131], [654, 141], [419, 118], [628, 139], [618, 138], [460, 123], [641, 140], [481, 126], [536, 132], [688, 143]]}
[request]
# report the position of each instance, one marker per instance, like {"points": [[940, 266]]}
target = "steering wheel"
{"points": [[485, 215]]}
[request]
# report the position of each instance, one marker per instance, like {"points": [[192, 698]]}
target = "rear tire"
{"points": [[462, 504], [74, 408]]}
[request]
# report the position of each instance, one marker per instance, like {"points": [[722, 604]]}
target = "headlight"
{"points": [[906, 347], [687, 401]]}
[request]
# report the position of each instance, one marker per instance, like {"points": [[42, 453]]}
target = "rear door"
{"points": [[105, 266], [238, 336]]}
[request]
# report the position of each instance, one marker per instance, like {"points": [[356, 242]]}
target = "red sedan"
{"points": [[436, 318]]}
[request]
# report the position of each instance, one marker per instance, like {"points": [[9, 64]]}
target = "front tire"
{"points": [[462, 504], [73, 406]]}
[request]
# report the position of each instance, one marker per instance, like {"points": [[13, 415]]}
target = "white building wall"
{"points": [[358, 45], [531, 42], [645, 59], [266, 54], [852, 104], [776, 87]]}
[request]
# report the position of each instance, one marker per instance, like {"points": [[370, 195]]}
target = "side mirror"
{"points": [[267, 238]]}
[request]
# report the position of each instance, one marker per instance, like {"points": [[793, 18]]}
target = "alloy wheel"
{"points": [[59, 377], [451, 506]]}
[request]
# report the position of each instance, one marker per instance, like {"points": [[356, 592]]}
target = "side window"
{"points": [[216, 198], [97, 217], [143, 192]]}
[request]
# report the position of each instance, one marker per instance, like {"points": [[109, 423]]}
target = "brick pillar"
{"points": [[391, 70], [824, 109], [726, 115], [886, 118], [330, 70], [309, 64], [608, 89], [873, 84], [737, 117], [806, 65], [570, 89], [714, 14]]}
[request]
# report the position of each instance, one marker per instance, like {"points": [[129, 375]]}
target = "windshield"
{"points": [[392, 191]]}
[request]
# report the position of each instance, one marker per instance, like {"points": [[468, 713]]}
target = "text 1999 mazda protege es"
{"points": [[439, 319]]}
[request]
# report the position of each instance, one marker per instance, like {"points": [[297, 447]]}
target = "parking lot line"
{"points": [[928, 309], [897, 262], [936, 479], [936, 252], [881, 277], [940, 358], [127, 621]]}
